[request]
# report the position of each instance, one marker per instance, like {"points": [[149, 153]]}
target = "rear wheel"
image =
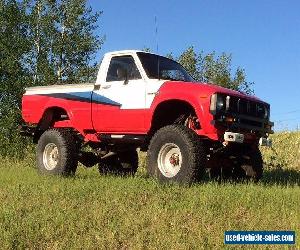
{"points": [[57, 152], [176, 154], [123, 163]]}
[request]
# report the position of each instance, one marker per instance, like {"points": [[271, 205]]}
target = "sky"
{"points": [[263, 37]]}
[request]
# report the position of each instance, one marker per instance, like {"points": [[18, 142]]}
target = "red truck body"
{"points": [[83, 118]]}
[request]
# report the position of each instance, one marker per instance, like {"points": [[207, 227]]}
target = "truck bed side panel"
{"points": [[78, 110]]}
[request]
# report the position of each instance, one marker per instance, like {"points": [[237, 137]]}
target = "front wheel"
{"points": [[251, 167], [57, 153], [176, 154], [246, 164]]}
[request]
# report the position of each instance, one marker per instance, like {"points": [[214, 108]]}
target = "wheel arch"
{"points": [[50, 115], [167, 111]]}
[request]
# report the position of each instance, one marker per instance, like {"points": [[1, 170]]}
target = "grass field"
{"points": [[90, 211]]}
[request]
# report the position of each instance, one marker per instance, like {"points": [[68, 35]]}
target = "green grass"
{"points": [[285, 152], [94, 212]]}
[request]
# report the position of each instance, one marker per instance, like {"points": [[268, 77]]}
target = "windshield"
{"points": [[159, 67]]}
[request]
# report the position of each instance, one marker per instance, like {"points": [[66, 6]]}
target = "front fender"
{"points": [[199, 102]]}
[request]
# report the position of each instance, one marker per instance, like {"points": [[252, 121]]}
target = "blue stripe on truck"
{"points": [[84, 97]]}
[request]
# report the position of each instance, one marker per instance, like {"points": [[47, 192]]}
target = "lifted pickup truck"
{"points": [[142, 100]]}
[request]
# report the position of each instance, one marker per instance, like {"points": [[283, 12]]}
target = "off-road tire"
{"points": [[192, 156], [124, 163], [241, 169], [255, 162], [57, 152]]}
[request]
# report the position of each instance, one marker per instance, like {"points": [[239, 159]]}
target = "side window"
{"points": [[122, 68]]}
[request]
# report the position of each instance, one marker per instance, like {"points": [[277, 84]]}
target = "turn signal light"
{"points": [[229, 119]]}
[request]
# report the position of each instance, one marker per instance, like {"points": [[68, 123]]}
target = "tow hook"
{"points": [[234, 137], [266, 142]]}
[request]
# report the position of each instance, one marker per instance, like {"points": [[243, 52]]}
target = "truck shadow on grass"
{"points": [[280, 176], [275, 176]]}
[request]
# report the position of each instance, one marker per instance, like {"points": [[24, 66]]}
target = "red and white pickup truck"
{"points": [[142, 100]]}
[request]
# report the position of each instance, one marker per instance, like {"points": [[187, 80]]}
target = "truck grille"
{"points": [[246, 107], [238, 114]]}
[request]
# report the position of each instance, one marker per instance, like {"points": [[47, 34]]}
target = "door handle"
{"points": [[153, 93], [106, 86]]}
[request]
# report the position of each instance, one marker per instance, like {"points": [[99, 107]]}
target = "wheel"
{"points": [[176, 154], [246, 165], [250, 167], [123, 163], [57, 153], [221, 167]]}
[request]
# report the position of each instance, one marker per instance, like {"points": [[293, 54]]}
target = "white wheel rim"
{"points": [[169, 160], [50, 156]]}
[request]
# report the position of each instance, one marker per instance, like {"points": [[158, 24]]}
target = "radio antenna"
{"points": [[156, 36], [156, 33]]}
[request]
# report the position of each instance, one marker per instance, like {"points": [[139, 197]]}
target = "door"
{"points": [[119, 104]]}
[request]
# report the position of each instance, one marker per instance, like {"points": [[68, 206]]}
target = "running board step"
{"points": [[115, 138]]}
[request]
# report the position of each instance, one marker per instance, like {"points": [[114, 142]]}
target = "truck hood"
{"points": [[200, 87]]}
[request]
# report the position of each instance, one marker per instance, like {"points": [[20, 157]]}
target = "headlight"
{"points": [[263, 110], [267, 111], [217, 103]]}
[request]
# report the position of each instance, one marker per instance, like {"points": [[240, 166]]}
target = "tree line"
{"points": [[46, 42], [42, 42]]}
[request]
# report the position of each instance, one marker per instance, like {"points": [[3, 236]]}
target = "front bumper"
{"points": [[244, 123], [240, 138]]}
